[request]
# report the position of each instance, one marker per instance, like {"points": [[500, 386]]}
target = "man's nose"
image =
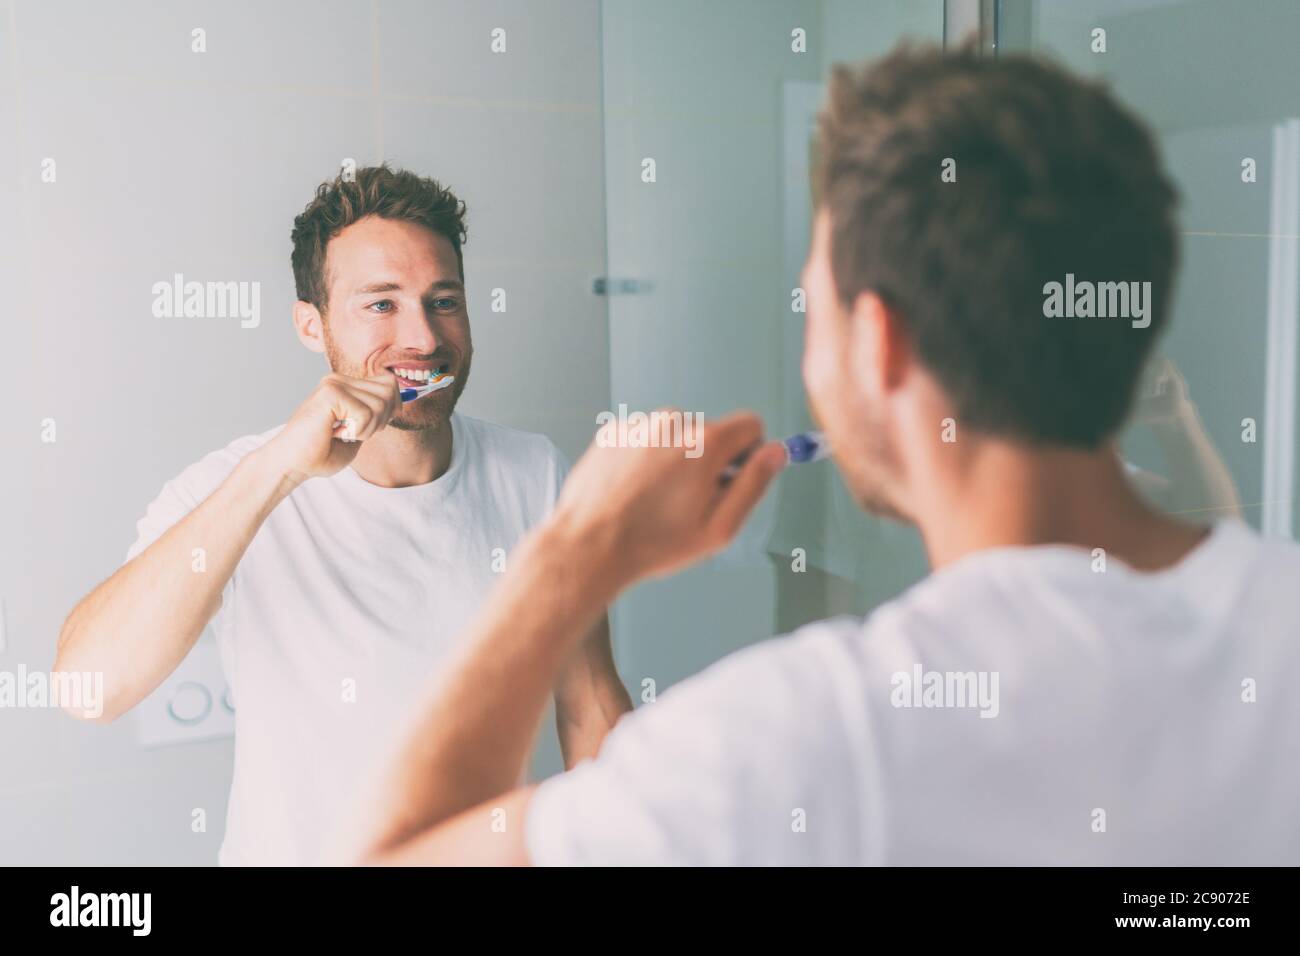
{"points": [[415, 332]]}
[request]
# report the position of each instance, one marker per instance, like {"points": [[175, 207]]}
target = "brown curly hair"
{"points": [[375, 191], [1053, 176]]}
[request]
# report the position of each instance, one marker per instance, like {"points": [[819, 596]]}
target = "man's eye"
{"points": [[445, 302], [386, 303]]}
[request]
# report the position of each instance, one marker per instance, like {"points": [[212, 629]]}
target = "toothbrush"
{"points": [[439, 381], [799, 449], [807, 446]]}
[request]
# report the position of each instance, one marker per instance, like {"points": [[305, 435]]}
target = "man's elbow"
{"points": [[368, 858], [77, 688], [92, 714], [353, 852], [88, 708]]}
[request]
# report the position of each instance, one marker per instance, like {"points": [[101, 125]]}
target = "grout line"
{"points": [[1225, 508], [576, 264], [25, 186], [155, 84], [150, 81], [17, 86], [541, 106], [376, 99], [1242, 235]]}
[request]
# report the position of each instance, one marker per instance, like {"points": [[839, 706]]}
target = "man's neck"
{"points": [[400, 459], [1001, 495]]}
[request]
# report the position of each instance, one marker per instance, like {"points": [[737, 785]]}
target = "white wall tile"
{"points": [[302, 44], [443, 49]]}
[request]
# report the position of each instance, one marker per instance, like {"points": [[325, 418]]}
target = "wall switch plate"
{"points": [[193, 703]]}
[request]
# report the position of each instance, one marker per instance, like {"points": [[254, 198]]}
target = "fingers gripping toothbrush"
{"points": [[439, 381], [799, 449]]}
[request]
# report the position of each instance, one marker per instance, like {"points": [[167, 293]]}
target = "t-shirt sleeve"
{"points": [[171, 505], [747, 763], [183, 494], [559, 473]]}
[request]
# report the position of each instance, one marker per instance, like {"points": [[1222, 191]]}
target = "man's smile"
{"points": [[417, 373]]}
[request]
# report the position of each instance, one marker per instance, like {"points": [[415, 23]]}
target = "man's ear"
{"points": [[310, 325], [881, 350]]}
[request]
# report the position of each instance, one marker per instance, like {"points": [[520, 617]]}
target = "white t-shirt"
{"points": [[1138, 719], [347, 598]]}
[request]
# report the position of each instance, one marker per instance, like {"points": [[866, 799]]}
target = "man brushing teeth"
{"points": [[345, 552]]}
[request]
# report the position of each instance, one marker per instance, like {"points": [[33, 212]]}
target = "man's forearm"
{"points": [[625, 514], [1200, 481], [140, 623], [472, 735], [589, 697]]}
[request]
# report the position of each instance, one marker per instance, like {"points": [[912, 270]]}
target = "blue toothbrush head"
{"points": [[807, 446], [434, 384]]}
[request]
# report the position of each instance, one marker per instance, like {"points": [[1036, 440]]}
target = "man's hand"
{"points": [[651, 511], [137, 626], [589, 697], [1163, 400], [1199, 480], [624, 513], [310, 446]]}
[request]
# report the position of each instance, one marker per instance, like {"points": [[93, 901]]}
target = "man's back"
{"points": [[1020, 706]]}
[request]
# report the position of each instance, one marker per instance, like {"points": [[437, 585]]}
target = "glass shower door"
{"points": [[708, 110], [1215, 430]]}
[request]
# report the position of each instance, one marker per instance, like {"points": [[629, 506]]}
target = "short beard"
{"points": [[431, 411], [873, 502], [868, 483]]}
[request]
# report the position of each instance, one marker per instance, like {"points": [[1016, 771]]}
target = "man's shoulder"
{"points": [[232, 453], [792, 670], [1000, 600], [1261, 570], [1281, 554], [201, 478], [246, 444], [513, 445], [188, 489]]}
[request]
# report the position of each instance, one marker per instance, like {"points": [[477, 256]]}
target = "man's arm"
{"points": [[1199, 480], [138, 625], [589, 698], [476, 725], [445, 796]]}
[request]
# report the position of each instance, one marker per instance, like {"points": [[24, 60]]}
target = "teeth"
{"points": [[414, 374]]}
